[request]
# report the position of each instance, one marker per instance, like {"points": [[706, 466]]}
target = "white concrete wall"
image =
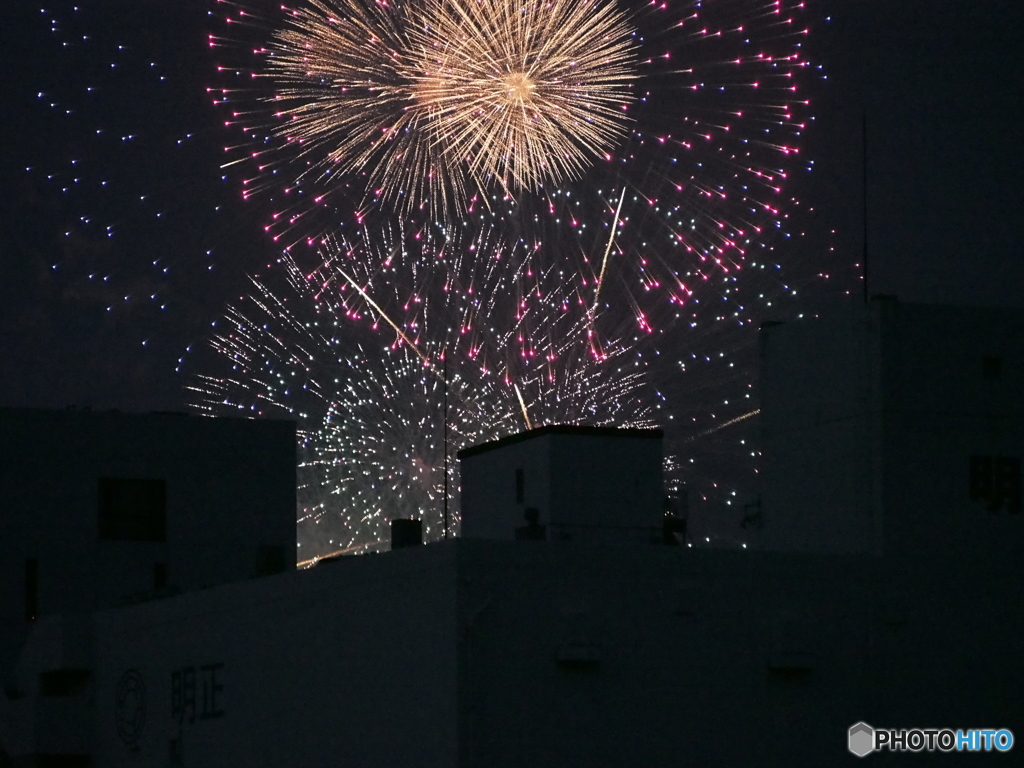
{"points": [[487, 654], [725, 658], [613, 483], [585, 484], [685, 642], [349, 663], [869, 422], [939, 410], [819, 421], [489, 506]]}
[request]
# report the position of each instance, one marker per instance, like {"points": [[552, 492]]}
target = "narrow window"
{"points": [[31, 589], [519, 486]]}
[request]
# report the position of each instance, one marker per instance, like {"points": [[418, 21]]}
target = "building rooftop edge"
{"points": [[560, 429]]}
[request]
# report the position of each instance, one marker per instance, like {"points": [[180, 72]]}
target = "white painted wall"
{"points": [[587, 484], [349, 663]]}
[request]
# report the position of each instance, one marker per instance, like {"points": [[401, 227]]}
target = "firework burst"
{"points": [[691, 195], [681, 230], [342, 98], [526, 93], [362, 351], [437, 98]]}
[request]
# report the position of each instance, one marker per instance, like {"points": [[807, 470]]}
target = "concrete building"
{"points": [[494, 653], [574, 483], [882, 588], [897, 428], [98, 507]]}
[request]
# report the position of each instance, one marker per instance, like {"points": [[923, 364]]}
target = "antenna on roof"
{"points": [[445, 353], [864, 201]]}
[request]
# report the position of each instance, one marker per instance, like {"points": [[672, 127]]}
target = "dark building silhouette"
{"points": [[895, 430], [880, 585], [103, 508]]}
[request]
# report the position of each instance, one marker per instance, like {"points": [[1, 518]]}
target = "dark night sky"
{"points": [[940, 83]]}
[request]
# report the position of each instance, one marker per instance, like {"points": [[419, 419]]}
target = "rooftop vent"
{"points": [[406, 533]]}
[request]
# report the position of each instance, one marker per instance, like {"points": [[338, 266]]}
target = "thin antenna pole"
{"points": [[864, 201], [446, 443]]}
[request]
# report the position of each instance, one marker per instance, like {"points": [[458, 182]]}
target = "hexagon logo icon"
{"points": [[861, 739]]}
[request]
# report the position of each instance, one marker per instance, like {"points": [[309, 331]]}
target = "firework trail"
{"points": [[366, 380]]}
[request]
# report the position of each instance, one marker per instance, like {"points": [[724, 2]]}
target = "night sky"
{"points": [[105, 287]]}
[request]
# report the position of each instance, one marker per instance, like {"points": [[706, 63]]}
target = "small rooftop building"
{"points": [[565, 483]]}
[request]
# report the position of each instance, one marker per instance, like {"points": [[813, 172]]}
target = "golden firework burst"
{"points": [[437, 99], [523, 92]]}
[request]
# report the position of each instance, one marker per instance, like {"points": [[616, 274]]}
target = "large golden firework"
{"points": [[342, 99], [523, 91], [437, 99]]}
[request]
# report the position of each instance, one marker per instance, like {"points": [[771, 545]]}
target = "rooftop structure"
{"points": [[565, 483]]}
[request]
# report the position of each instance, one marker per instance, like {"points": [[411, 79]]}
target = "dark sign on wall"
{"points": [[130, 707], [197, 692]]}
